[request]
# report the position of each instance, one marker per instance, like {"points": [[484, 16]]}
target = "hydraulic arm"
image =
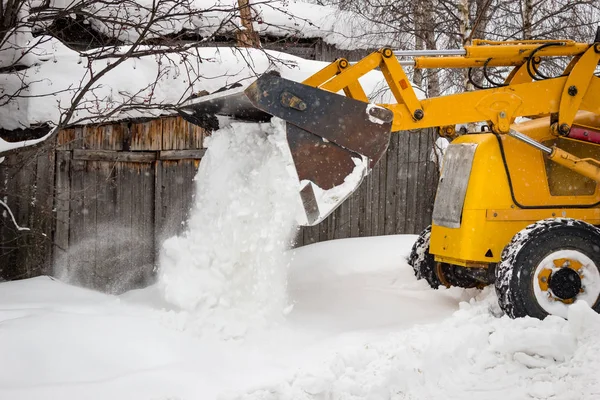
{"points": [[328, 132]]}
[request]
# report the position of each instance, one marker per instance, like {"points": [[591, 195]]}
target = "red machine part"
{"points": [[584, 133]]}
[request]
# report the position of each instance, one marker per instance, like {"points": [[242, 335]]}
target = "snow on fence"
{"points": [[101, 199]]}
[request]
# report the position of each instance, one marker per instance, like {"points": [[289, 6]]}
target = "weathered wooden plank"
{"points": [[113, 236], [70, 138], [188, 188], [176, 186], [114, 156], [367, 194], [432, 176], [359, 210], [125, 251], [26, 212], [43, 219], [353, 213], [402, 181], [103, 137], [171, 196], [324, 229], [179, 135], [158, 209], [197, 135], [310, 235], [422, 199], [18, 176], [391, 186], [28, 178], [24, 190], [382, 195], [75, 260], [181, 154], [137, 262], [375, 194], [7, 229], [146, 136], [89, 238], [413, 184], [147, 224], [342, 229], [337, 227]]}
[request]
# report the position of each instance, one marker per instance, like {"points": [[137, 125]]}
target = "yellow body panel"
{"points": [[487, 189], [490, 216]]}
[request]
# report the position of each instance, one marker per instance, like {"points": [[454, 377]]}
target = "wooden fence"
{"points": [[101, 199]]}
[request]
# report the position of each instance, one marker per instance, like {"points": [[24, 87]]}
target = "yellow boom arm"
{"points": [[577, 89]]}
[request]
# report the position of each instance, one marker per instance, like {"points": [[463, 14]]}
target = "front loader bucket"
{"points": [[334, 140]]}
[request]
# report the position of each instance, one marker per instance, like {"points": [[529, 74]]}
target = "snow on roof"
{"points": [[344, 29], [141, 87]]}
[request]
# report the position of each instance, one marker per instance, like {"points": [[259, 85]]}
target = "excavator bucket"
{"points": [[334, 140]]}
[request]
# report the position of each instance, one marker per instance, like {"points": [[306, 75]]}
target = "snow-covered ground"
{"points": [[361, 327], [234, 315]]}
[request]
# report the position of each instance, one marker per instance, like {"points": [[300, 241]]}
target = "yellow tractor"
{"points": [[518, 204]]}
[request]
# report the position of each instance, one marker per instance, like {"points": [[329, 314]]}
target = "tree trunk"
{"points": [[419, 42], [527, 19], [433, 80], [247, 36], [464, 27]]}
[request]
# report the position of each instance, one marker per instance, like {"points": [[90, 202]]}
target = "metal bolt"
{"points": [[544, 279], [572, 90], [382, 114], [564, 129], [292, 101], [419, 114], [502, 114]]}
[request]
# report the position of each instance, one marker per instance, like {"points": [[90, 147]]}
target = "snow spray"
{"points": [[229, 268]]}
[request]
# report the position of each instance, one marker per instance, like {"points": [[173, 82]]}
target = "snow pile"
{"points": [[472, 355], [229, 267], [356, 331]]}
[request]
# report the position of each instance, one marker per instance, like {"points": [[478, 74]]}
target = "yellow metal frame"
{"points": [[508, 186]]}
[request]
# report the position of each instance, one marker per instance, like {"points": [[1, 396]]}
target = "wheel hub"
{"points": [[565, 283]]}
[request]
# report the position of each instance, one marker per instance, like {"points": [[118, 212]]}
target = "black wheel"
{"points": [[547, 266], [435, 273]]}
